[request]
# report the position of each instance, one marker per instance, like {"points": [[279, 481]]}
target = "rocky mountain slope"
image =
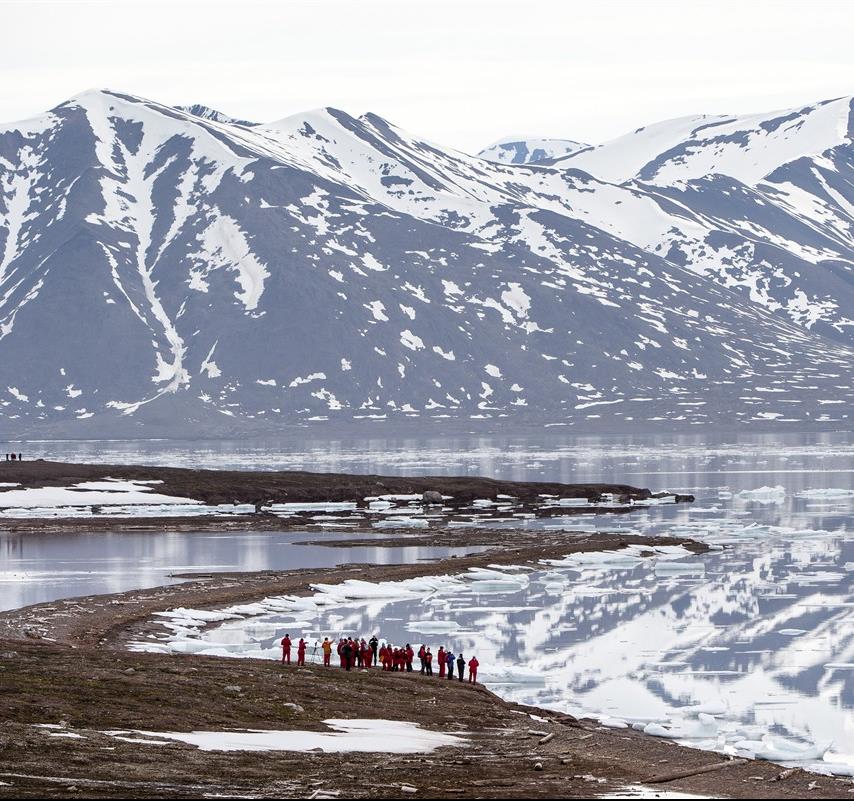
{"points": [[174, 272]]}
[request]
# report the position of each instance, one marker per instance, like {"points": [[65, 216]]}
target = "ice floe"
{"points": [[764, 494]]}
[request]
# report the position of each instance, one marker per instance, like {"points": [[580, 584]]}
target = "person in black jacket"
{"points": [[461, 665], [375, 644]]}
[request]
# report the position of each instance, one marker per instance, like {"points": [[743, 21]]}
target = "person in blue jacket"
{"points": [[449, 659]]}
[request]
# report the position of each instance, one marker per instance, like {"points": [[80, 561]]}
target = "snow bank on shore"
{"points": [[348, 735], [110, 492]]}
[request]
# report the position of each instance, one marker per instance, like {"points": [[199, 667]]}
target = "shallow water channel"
{"points": [[35, 568]]}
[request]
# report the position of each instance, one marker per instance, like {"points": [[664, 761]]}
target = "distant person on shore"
{"points": [[286, 650], [301, 652], [327, 652], [367, 654], [473, 665], [461, 666], [347, 655], [449, 658], [440, 658], [375, 644], [428, 662], [13, 457]]}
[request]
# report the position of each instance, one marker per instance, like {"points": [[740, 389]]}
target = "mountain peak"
{"points": [[529, 150], [208, 113], [746, 147]]}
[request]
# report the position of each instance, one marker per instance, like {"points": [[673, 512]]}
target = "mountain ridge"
{"points": [[165, 271]]}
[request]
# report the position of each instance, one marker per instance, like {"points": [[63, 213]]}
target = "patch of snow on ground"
{"points": [[356, 735]]}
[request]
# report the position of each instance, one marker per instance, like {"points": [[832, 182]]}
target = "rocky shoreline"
{"points": [[66, 664]]}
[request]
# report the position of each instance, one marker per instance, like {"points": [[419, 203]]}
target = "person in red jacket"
{"points": [[341, 651], [301, 652], [383, 655], [367, 654], [441, 657], [473, 663], [428, 662], [408, 656], [286, 649]]}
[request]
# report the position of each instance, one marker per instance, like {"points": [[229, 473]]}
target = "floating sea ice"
{"points": [[670, 552], [380, 505], [332, 594], [188, 646], [826, 493], [326, 506], [194, 616], [485, 574], [830, 768], [401, 522], [705, 727], [488, 587], [248, 610], [656, 730], [707, 708], [613, 723], [764, 494], [780, 750]]}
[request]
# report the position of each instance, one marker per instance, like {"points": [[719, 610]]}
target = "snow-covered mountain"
{"points": [[163, 271], [526, 150]]}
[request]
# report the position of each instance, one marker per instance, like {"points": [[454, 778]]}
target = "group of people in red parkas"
{"points": [[354, 652]]}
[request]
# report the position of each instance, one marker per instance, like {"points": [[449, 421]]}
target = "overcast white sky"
{"points": [[461, 73]]}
